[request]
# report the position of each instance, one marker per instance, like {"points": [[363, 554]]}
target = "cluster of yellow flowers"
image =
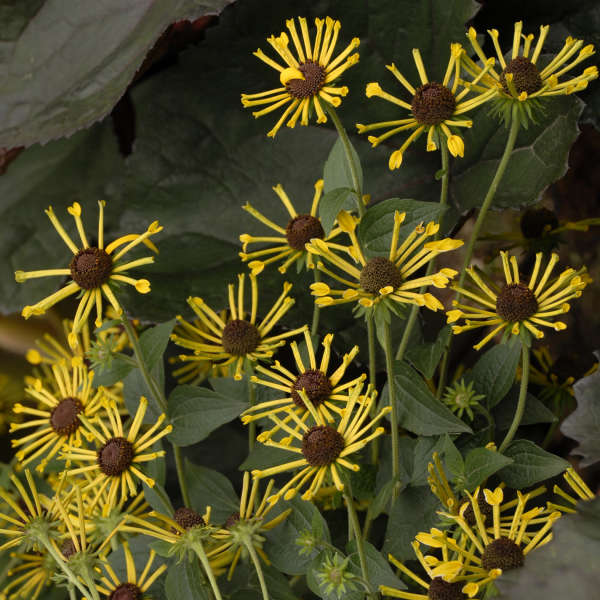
{"points": [[94, 454]]}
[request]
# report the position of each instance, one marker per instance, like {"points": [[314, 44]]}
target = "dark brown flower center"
{"points": [[67, 549], [115, 456], [516, 302], [538, 221], [91, 267], [378, 273], [502, 554], [314, 78], [126, 591], [64, 419], [444, 590], [232, 520], [187, 518], [316, 385], [240, 337], [526, 77], [321, 445], [485, 509], [301, 229], [432, 104]]}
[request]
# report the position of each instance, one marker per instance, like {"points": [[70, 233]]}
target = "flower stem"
{"points": [[201, 554], [412, 318], [521, 403], [354, 168], [258, 569], [72, 594], [316, 310], [252, 424], [389, 365], [360, 548], [185, 494], [158, 394]]}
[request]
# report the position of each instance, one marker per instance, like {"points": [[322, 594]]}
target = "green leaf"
{"points": [[418, 409], [566, 567], [414, 511], [539, 158], [277, 584], [134, 386], [44, 95], [426, 357], [153, 342], [376, 227], [195, 412], [158, 499], [336, 172], [281, 547], [185, 581], [495, 371], [380, 572], [531, 464], [119, 368], [583, 424], [264, 457], [331, 204], [210, 488], [535, 411], [481, 463], [453, 459]]}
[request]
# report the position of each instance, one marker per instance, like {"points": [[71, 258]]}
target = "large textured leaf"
{"points": [[583, 425], [567, 567], [60, 73]]}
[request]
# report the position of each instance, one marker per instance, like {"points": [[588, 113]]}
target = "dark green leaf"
{"points": [[195, 412], [426, 356], [376, 227], [418, 409], [530, 465], [380, 572], [414, 511], [118, 370], [110, 40], [480, 463], [264, 457], [210, 488], [331, 204], [281, 545], [566, 567], [535, 410], [134, 386], [495, 371], [453, 459], [336, 172], [583, 425], [185, 581], [539, 158], [278, 585], [158, 499], [153, 342]]}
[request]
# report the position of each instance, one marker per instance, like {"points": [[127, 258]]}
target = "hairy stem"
{"points": [[201, 554], [521, 403], [389, 365], [258, 569]]}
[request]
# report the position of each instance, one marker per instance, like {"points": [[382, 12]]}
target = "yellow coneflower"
{"points": [[58, 422], [114, 463], [323, 448], [521, 79], [243, 531], [518, 304], [135, 585], [381, 278], [240, 337], [437, 109], [290, 243], [30, 577], [307, 78], [327, 393], [92, 270]]}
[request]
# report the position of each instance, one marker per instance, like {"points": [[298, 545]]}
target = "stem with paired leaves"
{"points": [[521, 403]]}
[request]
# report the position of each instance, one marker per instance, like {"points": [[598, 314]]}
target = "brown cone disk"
{"points": [[485, 509], [516, 302], [502, 554], [443, 590], [115, 456], [90, 268], [64, 419], [432, 104], [126, 591], [314, 78], [321, 445], [379, 272], [301, 229], [188, 518], [232, 520], [315, 384], [67, 549], [526, 77], [240, 337]]}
